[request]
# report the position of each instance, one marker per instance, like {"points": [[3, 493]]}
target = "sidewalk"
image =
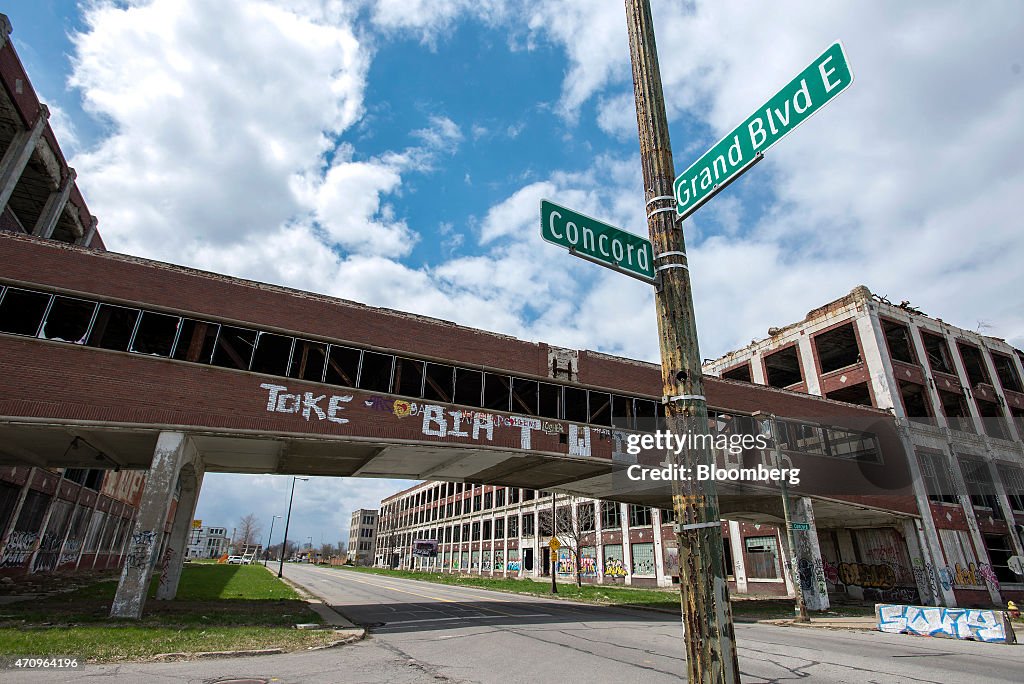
{"points": [[859, 623]]}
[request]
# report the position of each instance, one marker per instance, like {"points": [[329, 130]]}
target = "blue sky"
{"points": [[394, 152]]}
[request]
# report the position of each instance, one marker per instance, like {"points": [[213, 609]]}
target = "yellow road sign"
{"points": [[555, 544]]}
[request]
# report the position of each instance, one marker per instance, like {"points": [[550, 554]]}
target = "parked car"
{"points": [[235, 560]]}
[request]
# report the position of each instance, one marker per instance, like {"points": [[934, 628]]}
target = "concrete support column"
{"points": [[627, 550], [90, 232], [599, 540], [660, 576], [808, 558], [876, 358], [55, 204], [810, 371], [927, 588], [739, 562], [173, 450], [16, 157], [970, 517], [789, 567], [847, 554], [757, 373], [174, 555]]}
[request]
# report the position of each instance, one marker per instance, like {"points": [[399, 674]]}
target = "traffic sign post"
{"points": [[554, 544], [800, 527], [597, 241], [744, 146]]}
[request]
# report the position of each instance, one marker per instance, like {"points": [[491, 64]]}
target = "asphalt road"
{"points": [[420, 632]]}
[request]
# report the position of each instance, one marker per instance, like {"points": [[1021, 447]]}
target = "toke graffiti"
{"points": [[306, 403]]}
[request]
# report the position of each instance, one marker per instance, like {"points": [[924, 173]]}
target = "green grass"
{"points": [[218, 607], [660, 599]]}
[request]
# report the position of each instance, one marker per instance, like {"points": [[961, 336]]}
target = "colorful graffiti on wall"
{"points": [[954, 623], [614, 568]]}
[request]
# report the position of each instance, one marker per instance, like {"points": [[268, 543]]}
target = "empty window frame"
{"points": [[549, 400], [600, 408], [1013, 482], [648, 414], [513, 526], [273, 354], [852, 394], [782, 368], [113, 327], [897, 337], [22, 311], [1006, 371], [439, 384], [525, 396], [639, 516], [155, 334], [741, 373], [309, 361], [937, 351], [992, 419], [954, 407], [837, 348], [497, 392], [469, 387], [978, 481], [195, 341], [234, 347], [622, 412], [408, 379], [915, 402], [576, 404], [375, 372], [977, 374], [939, 480], [68, 320]]}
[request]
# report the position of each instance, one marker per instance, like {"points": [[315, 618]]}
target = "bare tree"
{"points": [[248, 531], [576, 531]]}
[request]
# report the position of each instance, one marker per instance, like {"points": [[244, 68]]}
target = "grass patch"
{"points": [[219, 607], [662, 599]]}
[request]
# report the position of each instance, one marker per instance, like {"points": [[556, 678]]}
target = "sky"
{"points": [[395, 152]]}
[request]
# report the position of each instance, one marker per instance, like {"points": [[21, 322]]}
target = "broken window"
{"points": [[1013, 483], [897, 336], [21, 311], [978, 481], [155, 334], [68, 320], [497, 392], [974, 365], [273, 354], [647, 414], [639, 516], [195, 341], [576, 404], [954, 407], [741, 373], [622, 412], [600, 408], [343, 367], [938, 478], [915, 402], [469, 386], [1006, 371], [309, 359], [937, 350], [837, 348], [1000, 548], [408, 380], [854, 394], [782, 368], [549, 400], [113, 327], [375, 372], [234, 347], [440, 383], [524, 396], [992, 419]]}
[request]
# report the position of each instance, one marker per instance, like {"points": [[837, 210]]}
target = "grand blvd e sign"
{"points": [[812, 89], [595, 241]]}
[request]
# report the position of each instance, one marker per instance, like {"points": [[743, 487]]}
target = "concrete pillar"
{"points": [[970, 517], [173, 450], [810, 371], [627, 550], [54, 206], [599, 539], [927, 587], [789, 567], [808, 555], [757, 373], [847, 554], [90, 232], [876, 358], [660, 576], [174, 555], [739, 563], [5, 30], [16, 157]]}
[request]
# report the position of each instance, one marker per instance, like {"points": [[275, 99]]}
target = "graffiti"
{"points": [[552, 428], [46, 558], [989, 575], [499, 560], [613, 568], [831, 571], [376, 403], [165, 566], [894, 595], [805, 572], [70, 552], [588, 566], [874, 576], [280, 401], [945, 578], [140, 553], [513, 565], [968, 576], [18, 549], [954, 623]]}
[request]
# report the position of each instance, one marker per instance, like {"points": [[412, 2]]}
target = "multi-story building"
{"points": [[958, 399], [362, 536], [506, 531], [207, 542]]}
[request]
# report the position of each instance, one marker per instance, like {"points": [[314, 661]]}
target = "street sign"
{"points": [[800, 527], [595, 241], [812, 89], [554, 544]]}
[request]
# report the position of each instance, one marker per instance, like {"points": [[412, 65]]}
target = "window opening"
{"points": [[155, 334], [309, 360], [68, 320], [22, 311], [273, 354], [837, 348]]}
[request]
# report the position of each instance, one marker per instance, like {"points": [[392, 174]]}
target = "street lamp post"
{"points": [[287, 522], [270, 538]]}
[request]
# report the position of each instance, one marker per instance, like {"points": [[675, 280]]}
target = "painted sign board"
{"points": [[814, 87], [800, 527], [597, 241]]}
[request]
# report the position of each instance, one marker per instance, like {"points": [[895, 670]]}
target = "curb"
{"points": [[331, 617]]}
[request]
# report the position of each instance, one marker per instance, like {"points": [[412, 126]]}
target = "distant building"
{"points": [[362, 536], [207, 542]]}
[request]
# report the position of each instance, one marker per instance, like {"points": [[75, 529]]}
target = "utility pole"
{"points": [[551, 551], [794, 569], [707, 615]]}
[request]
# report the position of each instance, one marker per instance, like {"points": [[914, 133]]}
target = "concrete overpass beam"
{"points": [[173, 450], [808, 555], [191, 478], [54, 206], [17, 155]]}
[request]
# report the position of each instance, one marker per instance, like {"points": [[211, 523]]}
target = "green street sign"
{"points": [[800, 527], [595, 241], [812, 89]]}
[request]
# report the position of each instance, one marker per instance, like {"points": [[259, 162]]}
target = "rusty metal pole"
{"points": [[707, 615]]}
